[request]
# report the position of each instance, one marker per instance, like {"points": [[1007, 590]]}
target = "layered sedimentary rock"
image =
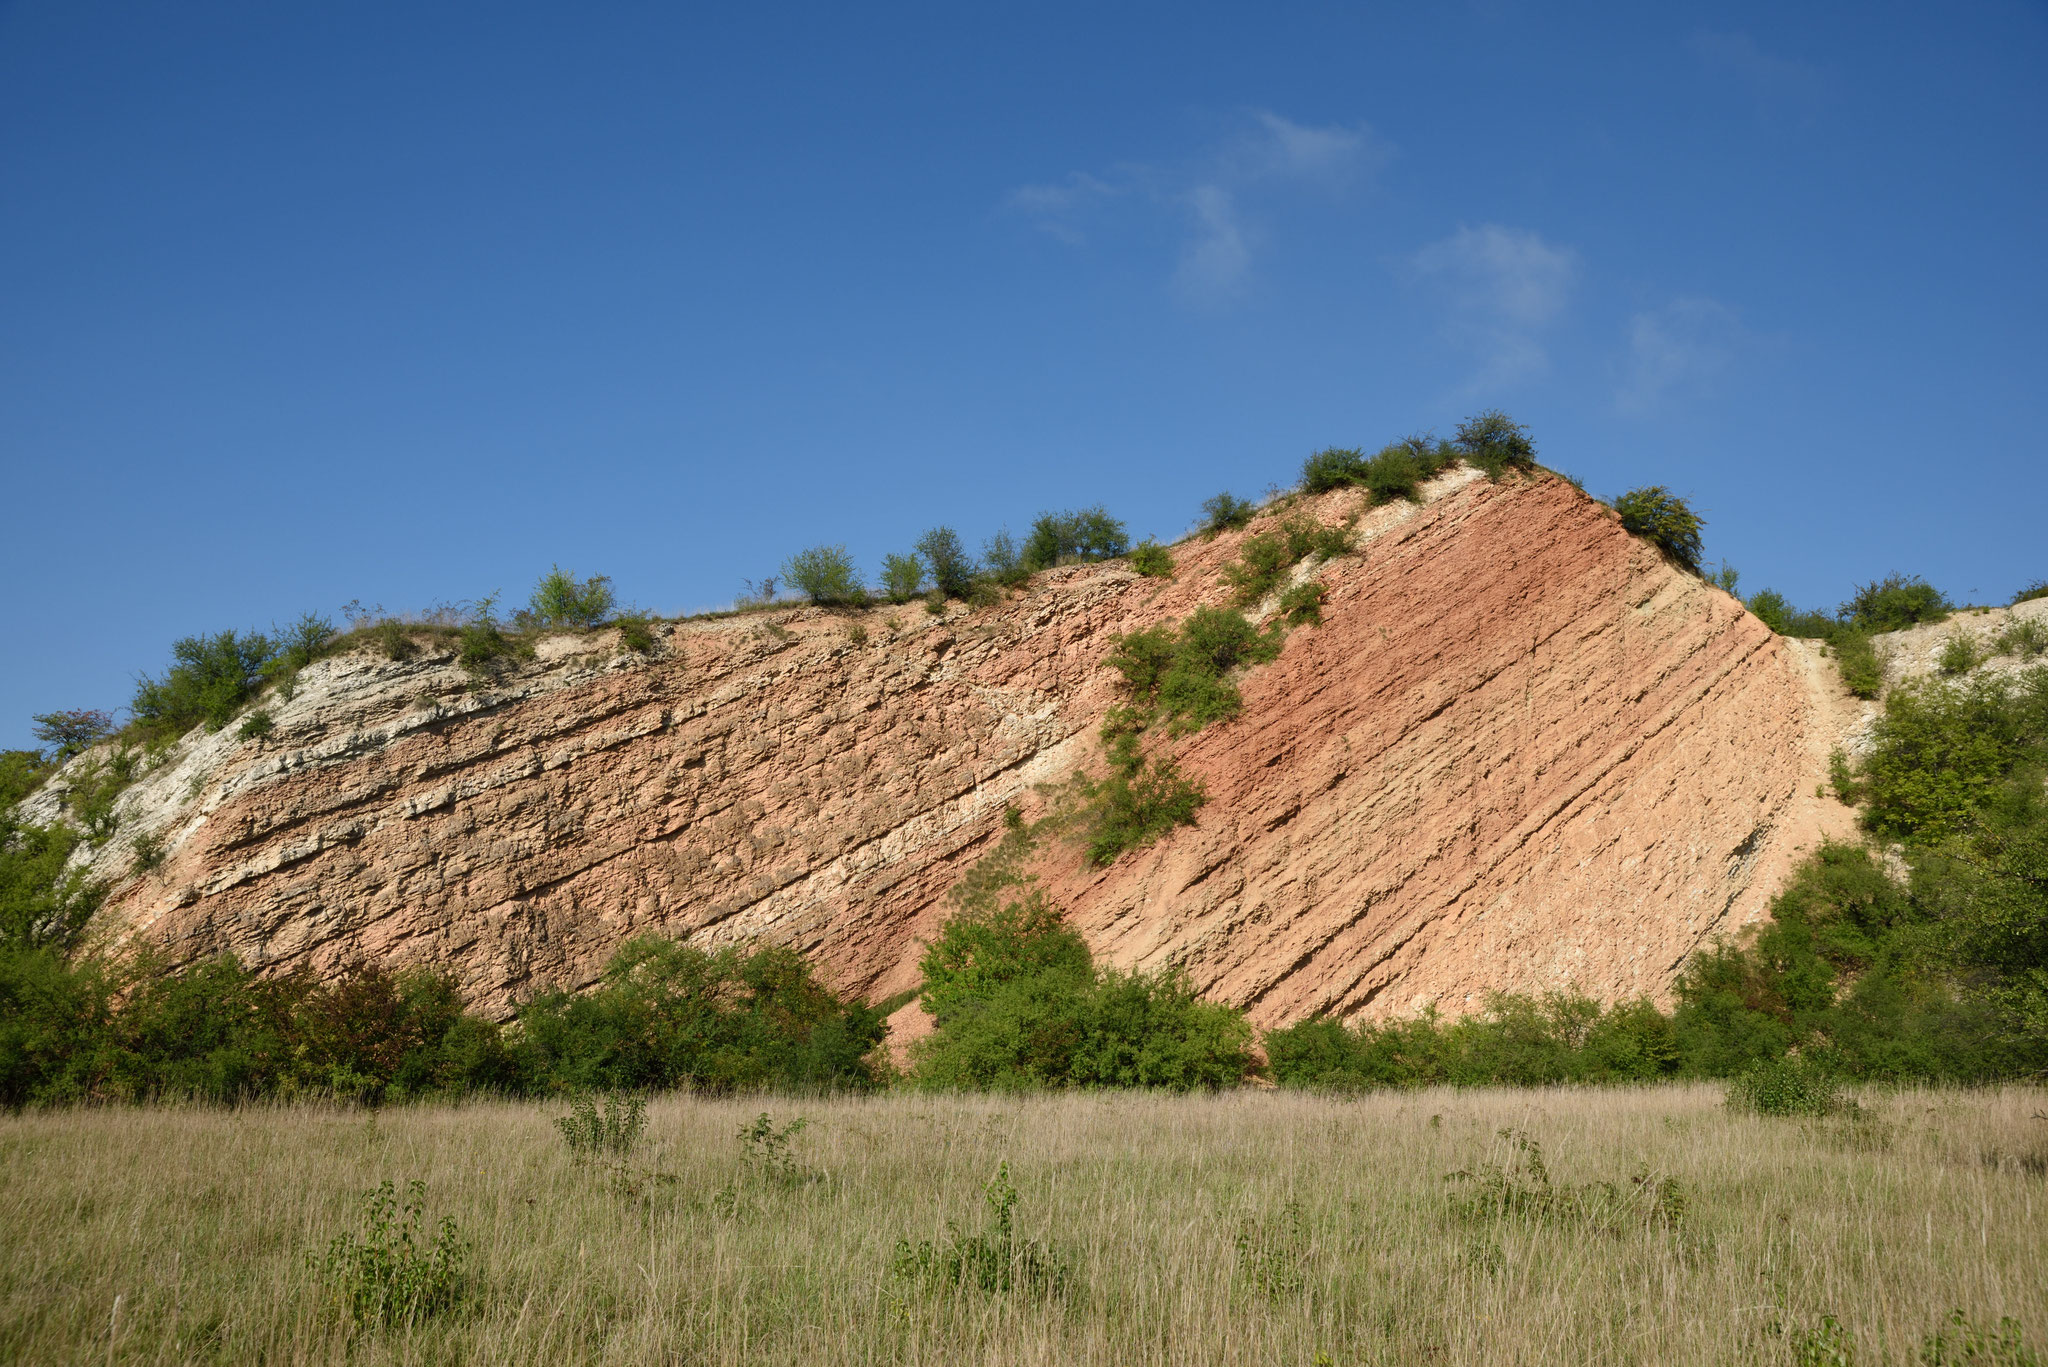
{"points": [[1523, 752]]}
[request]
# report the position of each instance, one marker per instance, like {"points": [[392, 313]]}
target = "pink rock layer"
{"points": [[1522, 753]]}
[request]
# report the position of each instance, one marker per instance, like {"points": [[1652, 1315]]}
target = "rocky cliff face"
{"points": [[1522, 753]]}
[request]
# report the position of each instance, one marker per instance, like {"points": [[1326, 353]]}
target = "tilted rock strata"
{"points": [[1522, 752]]}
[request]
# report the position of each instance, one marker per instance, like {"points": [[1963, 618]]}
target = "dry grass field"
{"points": [[1248, 1228]]}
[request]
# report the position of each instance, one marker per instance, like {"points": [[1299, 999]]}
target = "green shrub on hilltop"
{"points": [[1894, 603], [211, 677], [2027, 594], [952, 569], [560, 599], [1073, 538], [1495, 443], [826, 575], [902, 577]]}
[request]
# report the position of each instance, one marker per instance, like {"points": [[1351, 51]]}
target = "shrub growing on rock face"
{"points": [[825, 575], [560, 599], [1663, 519], [1152, 560], [2037, 589], [1226, 512], [1894, 603]]}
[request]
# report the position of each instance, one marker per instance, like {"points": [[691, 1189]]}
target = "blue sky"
{"points": [[307, 303]]}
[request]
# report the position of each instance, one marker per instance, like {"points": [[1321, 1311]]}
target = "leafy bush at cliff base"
{"points": [[1020, 1006], [826, 575], [666, 1014], [1665, 520], [1894, 603], [1517, 1040]]}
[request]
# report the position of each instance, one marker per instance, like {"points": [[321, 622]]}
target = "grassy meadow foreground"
{"points": [[1644, 1225]]}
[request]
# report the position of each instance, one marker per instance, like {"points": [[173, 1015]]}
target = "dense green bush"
{"points": [[211, 677], [1665, 520], [42, 904], [1893, 603], [303, 642], [1495, 443], [1019, 1005], [1395, 472], [1333, 467], [1786, 1086], [1152, 560], [1226, 512], [560, 599], [2037, 589], [826, 575], [21, 773], [952, 569], [1517, 1040], [902, 577], [666, 1014], [1941, 750], [1073, 538]]}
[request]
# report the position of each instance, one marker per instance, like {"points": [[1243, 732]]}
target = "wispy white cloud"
{"points": [[1675, 351], [1504, 287], [1217, 196], [1766, 75]]}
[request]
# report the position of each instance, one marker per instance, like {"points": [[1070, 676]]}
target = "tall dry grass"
{"points": [[169, 1235]]}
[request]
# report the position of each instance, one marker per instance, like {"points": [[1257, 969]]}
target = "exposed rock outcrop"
{"points": [[1523, 752]]}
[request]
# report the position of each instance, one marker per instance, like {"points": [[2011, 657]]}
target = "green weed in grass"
{"points": [[395, 1271]]}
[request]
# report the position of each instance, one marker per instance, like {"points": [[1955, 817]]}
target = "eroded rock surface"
{"points": [[1523, 752]]}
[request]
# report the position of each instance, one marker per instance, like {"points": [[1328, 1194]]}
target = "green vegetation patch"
{"points": [[1665, 520]]}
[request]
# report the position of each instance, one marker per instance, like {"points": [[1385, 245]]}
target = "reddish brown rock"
{"points": [[1522, 753]]}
